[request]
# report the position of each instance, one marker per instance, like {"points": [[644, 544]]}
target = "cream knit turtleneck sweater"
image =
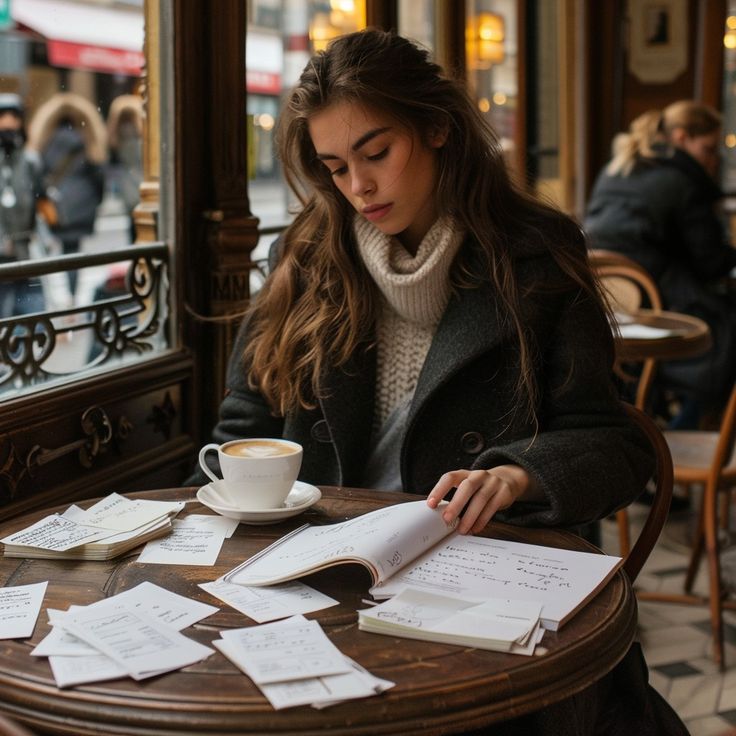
{"points": [[415, 290]]}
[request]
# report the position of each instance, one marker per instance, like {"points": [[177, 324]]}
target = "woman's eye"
{"points": [[378, 156], [339, 171]]}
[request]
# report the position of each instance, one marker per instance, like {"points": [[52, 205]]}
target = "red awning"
{"points": [[83, 36]]}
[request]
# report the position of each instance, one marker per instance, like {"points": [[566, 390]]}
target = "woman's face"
{"points": [[386, 172], [704, 149]]}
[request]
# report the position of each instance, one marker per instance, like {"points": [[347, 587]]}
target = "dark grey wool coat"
{"points": [[465, 413]]}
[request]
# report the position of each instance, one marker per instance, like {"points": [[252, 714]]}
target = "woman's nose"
{"points": [[361, 184]]}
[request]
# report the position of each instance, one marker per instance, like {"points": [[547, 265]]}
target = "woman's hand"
{"points": [[481, 493]]}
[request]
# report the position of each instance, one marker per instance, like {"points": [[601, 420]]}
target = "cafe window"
{"points": [[728, 170], [280, 39], [77, 297], [417, 21], [492, 65]]}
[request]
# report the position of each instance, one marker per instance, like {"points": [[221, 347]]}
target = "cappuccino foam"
{"points": [[258, 448]]}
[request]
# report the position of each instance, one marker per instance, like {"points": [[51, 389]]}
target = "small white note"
{"points": [[19, 609], [270, 603], [187, 544], [293, 649]]}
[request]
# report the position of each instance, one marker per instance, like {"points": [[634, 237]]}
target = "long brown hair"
{"points": [[319, 304]]}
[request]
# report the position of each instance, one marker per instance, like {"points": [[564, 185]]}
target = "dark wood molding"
{"points": [[382, 14], [709, 52], [215, 229]]}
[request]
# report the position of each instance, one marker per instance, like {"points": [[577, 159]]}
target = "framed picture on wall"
{"points": [[658, 40]]}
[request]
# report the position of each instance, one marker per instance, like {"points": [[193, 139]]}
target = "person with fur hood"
{"points": [[125, 137], [69, 135]]}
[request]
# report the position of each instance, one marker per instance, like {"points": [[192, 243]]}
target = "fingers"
{"points": [[479, 494]]}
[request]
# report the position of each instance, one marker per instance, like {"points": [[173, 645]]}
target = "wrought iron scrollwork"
{"points": [[123, 322]]}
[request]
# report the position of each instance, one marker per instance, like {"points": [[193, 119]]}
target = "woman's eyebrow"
{"points": [[370, 135]]}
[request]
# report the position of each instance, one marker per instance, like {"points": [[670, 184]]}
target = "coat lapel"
{"points": [[469, 327], [347, 406]]}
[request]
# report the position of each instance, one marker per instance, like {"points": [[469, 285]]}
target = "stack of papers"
{"points": [[110, 527], [499, 625], [294, 663], [133, 634]]}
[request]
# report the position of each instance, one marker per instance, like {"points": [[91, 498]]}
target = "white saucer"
{"points": [[300, 498]]}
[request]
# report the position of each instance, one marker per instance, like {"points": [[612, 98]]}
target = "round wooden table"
{"points": [[440, 689], [689, 337]]}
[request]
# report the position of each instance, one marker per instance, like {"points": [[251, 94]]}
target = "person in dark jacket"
{"points": [[20, 190], [656, 202], [69, 134], [428, 326]]}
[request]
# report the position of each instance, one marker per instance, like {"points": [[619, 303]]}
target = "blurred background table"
{"points": [[689, 337], [440, 689]]}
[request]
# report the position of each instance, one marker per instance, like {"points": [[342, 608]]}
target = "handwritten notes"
{"points": [[499, 625], [383, 540], [134, 633], [193, 541], [105, 530], [19, 609], [478, 568], [294, 663], [272, 603]]}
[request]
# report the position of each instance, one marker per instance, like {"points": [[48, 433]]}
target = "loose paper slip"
{"points": [[272, 603], [274, 656], [137, 642], [75, 661], [294, 649], [635, 331], [193, 541], [170, 608], [19, 609]]}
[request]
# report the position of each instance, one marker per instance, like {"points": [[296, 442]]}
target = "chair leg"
{"points": [[624, 534], [710, 505], [696, 553]]}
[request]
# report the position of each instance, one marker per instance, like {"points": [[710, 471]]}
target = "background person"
{"points": [[20, 189], [655, 202], [125, 167], [69, 134], [427, 326]]}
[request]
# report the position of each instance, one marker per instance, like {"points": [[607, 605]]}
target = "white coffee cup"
{"points": [[257, 473]]}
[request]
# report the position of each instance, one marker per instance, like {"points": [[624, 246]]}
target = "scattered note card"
{"points": [[19, 609], [635, 331], [271, 603], [190, 543], [136, 641], [293, 649]]}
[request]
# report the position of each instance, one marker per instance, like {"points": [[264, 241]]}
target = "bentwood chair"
{"points": [[628, 288], [706, 458], [663, 482], [10, 727]]}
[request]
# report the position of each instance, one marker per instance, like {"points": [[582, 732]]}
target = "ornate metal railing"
{"points": [[126, 320]]}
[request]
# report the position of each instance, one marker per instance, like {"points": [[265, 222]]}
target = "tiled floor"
{"points": [[676, 639]]}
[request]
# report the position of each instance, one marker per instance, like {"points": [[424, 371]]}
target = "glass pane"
{"points": [[71, 165], [281, 36], [417, 21], [728, 171], [491, 54]]}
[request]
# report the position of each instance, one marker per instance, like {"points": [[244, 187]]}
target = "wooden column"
{"points": [[216, 232]]}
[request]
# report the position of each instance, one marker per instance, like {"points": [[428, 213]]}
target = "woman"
{"points": [[655, 203], [426, 326]]}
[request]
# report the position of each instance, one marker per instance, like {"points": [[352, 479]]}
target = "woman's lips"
{"points": [[376, 211]]}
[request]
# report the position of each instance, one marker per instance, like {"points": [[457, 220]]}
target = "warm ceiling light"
{"points": [[484, 40]]}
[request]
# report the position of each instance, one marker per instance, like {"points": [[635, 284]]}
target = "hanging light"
{"points": [[484, 40]]}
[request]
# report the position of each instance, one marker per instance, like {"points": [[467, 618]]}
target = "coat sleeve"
{"points": [[587, 456]]}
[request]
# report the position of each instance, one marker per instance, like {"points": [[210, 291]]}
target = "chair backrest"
{"points": [[663, 478], [628, 287]]}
